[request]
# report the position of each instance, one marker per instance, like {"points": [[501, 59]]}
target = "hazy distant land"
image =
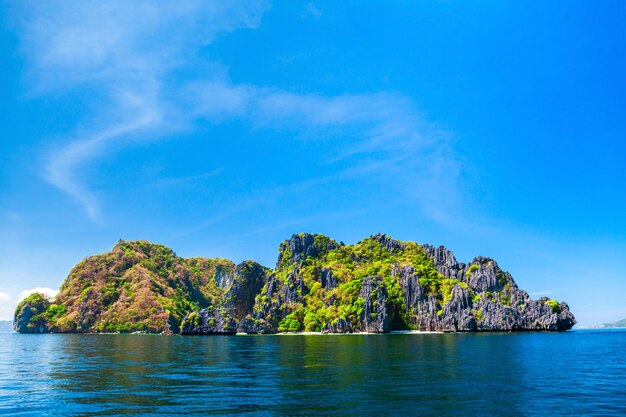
{"points": [[6, 326], [615, 325]]}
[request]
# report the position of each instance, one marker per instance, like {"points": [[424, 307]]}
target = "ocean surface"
{"points": [[572, 373]]}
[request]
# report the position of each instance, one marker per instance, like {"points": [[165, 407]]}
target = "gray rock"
{"points": [[445, 262], [328, 281], [224, 277], [241, 288], [247, 283], [338, 326], [374, 318], [302, 246], [387, 242], [409, 280], [457, 314], [209, 321]]}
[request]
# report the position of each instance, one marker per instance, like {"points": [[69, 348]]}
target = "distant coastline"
{"points": [[620, 324], [6, 326]]}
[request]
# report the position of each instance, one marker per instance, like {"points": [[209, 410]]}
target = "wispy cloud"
{"points": [[169, 182], [125, 54], [65, 163], [122, 52], [380, 134], [312, 10]]}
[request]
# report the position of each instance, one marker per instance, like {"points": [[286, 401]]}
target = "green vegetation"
{"points": [[312, 323], [501, 277], [54, 311], [472, 268], [291, 323], [554, 305], [194, 318], [505, 298]]}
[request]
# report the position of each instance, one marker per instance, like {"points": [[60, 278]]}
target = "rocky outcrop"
{"points": [[445, 262], [374, 317], [302, 246], [247, 283], [209, 321], [327, 279], [486, 299], [339, 325], [377, 285], [390, 245], [241, 289], [30, 315], [273, 303]]}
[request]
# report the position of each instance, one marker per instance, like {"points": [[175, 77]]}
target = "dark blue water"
{"points": [[572, 373]]}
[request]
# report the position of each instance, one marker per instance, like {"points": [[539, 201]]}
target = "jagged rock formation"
{"points": [[224, 316], [377, 285]]}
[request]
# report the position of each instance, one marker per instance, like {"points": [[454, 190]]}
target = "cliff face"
{"points": [[376, 285]]}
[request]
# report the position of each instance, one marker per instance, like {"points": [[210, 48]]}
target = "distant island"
{"points": [[318, 285], [6, 326], [615, 325]]}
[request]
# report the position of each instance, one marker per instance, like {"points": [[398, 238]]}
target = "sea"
{"points": [[574, 373]]}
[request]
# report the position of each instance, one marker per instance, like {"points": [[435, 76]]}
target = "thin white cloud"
{"points": [[69, 43], [311, 10], [127, 53], [8, 303], [122, 51], [48, 292], [169, 182], [382, 135], [540, 293], [64, 164]]}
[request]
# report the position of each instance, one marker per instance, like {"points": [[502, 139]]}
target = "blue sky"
{"points": [[493, 128]]}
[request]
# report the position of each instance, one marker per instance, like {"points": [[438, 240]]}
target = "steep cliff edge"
{"points": [[377, 285]]}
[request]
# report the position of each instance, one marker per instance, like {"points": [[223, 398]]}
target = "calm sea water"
{"points": [[572, 373]]}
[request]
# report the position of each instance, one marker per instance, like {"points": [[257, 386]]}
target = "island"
{"points": [[377, 285]]}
